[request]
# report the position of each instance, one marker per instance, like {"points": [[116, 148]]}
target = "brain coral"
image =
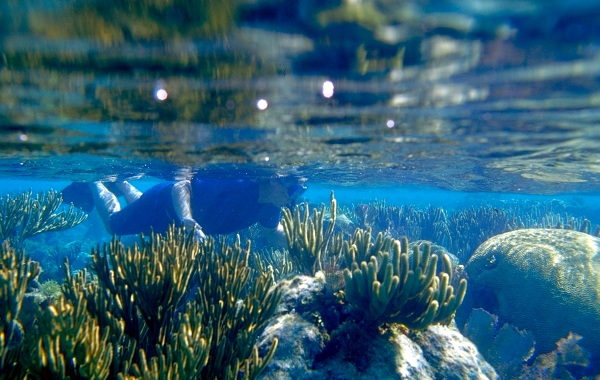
{"points": [[546, 281]]}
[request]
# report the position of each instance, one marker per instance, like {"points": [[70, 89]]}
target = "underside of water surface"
{"points": [[447, 95]]}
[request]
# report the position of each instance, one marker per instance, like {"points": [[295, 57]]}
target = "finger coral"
{"points": [[307, 237], [391, 288]]}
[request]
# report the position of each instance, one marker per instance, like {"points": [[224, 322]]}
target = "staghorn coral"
{"points": [[307, 241], [23, 216], [390, 290]]}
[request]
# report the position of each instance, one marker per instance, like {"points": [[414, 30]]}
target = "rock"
{"points": [[299, 344], [299, 292], [546, 281], [452, 355], [314, 345]]}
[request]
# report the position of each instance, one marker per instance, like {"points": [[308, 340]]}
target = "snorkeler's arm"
{"points": [[181, 202]]}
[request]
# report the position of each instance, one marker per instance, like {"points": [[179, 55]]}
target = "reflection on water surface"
{"points": [[457, 96]]}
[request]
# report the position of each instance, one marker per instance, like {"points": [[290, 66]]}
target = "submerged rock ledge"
{"points": [[315, 342]]}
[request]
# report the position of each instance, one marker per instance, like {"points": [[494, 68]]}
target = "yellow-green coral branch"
{"points": [[23, 216], [307, 241], [390, 288]]}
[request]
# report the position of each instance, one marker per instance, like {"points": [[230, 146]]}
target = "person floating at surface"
{"points": [[206, 206]]}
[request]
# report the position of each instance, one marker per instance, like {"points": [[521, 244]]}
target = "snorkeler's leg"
{"points": [[181, 195], [106, 203], [130, 193]]}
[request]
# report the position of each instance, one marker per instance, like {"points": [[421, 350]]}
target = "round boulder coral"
{"points": [[546, 281]]}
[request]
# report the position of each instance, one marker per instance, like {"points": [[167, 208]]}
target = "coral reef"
{"points": [[542, 280], [388, 289], [167, 307], [23, 216], [382, 284], [307, 240], [387, 293], [463, 230], [319, 340], [16, 272]]}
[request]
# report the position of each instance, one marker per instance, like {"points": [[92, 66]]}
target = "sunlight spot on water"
{"points": [[328, 89], [161, 94], [262, 104]]}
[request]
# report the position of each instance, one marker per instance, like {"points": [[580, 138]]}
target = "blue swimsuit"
{"points": [[218, 206]]}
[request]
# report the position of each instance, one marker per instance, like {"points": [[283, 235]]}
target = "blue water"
{"points": [[437, 105]]}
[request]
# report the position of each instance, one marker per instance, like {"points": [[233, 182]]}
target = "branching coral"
{"points": [[275, 262], [306, 238], [360, 247], [392, 288], [235, 313], [71, 344], [140, 294], [157, 273], [23, 216], [464, 230], [16, 271], [136, 295]]}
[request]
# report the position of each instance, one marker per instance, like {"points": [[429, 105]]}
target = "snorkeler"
{"points": [[206, 206]]}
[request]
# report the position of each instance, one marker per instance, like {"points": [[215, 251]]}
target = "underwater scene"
{"points": [[299, 189]]}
